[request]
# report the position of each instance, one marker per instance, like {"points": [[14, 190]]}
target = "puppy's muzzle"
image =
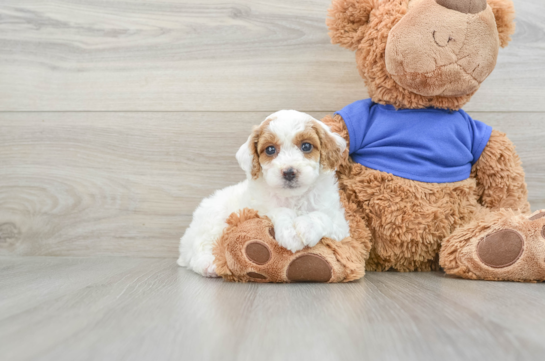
{"points": [[289, 174]]}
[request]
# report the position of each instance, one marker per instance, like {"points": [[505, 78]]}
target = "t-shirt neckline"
{"points": [[390, 107]]}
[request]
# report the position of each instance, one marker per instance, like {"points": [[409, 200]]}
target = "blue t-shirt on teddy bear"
{"points": [[427, 145]]}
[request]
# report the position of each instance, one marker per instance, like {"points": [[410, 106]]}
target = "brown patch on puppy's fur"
{"points": [[330, 154], [267, 139], [254, 146], [324, 147], [309, 135]]}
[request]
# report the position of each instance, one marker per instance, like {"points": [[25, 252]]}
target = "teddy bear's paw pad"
{"points": [[501, 249], [256, 275], [257, 252], [537, 215], [309, 268]]}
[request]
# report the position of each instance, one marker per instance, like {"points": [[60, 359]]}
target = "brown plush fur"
{"points": [[254, 145], [504, 12], [411, 221], [349, 19], [456, 51], [500, 177], [407, 225], [408, 219], [329, 153], [364, 25]]}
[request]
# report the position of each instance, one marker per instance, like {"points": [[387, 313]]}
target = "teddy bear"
{"points": [[423, 184]]}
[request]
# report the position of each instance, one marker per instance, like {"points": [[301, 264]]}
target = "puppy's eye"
{"points": [[270, 150], [306, 147]]}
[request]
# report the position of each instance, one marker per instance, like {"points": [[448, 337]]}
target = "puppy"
{"points": [[290, 162]]}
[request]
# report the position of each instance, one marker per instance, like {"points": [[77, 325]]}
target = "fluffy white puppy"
{"points": [[290, 162]]}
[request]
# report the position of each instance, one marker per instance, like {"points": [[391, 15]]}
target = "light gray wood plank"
{"points": [[80, 184], [142, 309], [111, 183], [195, 55]]}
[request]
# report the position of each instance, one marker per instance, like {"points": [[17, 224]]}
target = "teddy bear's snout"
{"points": [[464, 6], [440, 49]]}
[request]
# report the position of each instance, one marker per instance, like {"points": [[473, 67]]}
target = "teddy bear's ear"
{"points": [[504, 12], [347, 20]]}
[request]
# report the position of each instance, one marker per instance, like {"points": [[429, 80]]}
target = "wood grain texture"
{"points": [[221, 55], [80, 184], [65, 309]]}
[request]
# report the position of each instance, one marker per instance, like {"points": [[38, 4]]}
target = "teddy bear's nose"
{"points": [[464, 6]]}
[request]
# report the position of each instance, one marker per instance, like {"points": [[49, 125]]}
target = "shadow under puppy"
{"points": [[291, 189]]}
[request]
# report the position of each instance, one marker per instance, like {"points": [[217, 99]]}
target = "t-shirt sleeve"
{"points": [[356, 117], [480, 135]]}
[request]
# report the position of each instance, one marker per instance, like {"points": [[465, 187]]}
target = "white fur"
{"points": [[303, 212]]}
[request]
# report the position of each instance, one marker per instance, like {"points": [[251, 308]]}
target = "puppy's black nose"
{"points": [[288, 174]]}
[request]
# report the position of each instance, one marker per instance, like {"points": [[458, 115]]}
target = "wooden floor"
{"points": [[65, 309]]}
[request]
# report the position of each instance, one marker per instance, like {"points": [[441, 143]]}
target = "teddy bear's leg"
{"points": [[497, 245], [247, 251]]}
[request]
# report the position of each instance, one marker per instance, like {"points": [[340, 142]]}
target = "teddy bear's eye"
{"points": [[306, 147], [270, 150]]}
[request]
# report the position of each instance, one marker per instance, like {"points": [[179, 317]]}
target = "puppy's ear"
{"points": [[504, 12], [347, 21], [247, 155], [332, 146]]}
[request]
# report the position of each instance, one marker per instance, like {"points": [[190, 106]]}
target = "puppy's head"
{"points": [[290, 150]]}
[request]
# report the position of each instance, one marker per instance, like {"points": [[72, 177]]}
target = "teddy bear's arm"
{"points": [[499, 175]]}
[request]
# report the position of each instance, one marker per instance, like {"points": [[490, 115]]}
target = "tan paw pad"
{"points": [[537, 216], [309, 268], [500, 249], [257, 252]]}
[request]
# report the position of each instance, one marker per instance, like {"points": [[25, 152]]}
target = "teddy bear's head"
{"points": [[423, 53]]}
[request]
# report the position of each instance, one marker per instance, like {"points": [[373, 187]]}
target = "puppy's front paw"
{"points": [[287, 237], [308, 231], [205, 266]]}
